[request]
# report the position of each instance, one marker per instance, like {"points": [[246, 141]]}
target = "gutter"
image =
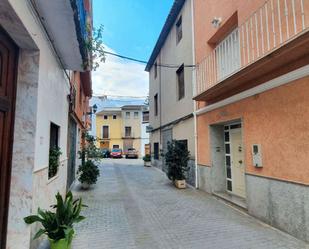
{"points": [[194, 102]]}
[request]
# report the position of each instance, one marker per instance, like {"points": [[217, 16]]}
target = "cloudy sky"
{"points": [[120, 77], [131, 28]]}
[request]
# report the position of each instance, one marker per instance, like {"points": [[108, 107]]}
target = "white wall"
{"points": [[175, 54], [47, 102]]}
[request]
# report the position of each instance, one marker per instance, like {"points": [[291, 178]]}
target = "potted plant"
{"points": [[88, 174], [58, 225], [147, 160], [176, 160]]}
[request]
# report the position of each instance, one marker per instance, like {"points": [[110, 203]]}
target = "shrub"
{"points": [[147, 158], [59, 224], [176, 160], [88, 172], [53, 164]]}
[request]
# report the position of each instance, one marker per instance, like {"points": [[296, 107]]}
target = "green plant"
{"points": [[94, 45], [54, 155], [147, 158], [89, 149], [59, 224], [176, 160], [88, 172]]}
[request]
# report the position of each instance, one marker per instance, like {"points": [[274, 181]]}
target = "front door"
{"points": [[8, 62], [72, 141], [235, 160]]}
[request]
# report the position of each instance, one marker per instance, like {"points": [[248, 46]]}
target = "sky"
{"points": [[131, 28]]}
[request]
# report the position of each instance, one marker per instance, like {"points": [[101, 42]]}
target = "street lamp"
{"points": [[94, 109]]}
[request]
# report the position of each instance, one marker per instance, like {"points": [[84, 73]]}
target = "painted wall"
{"points": [[175, 54], [115, 127], [42, 98], [276, 119]]}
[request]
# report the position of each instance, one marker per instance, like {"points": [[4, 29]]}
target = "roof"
{"points": [[132, 107], [170, 20], [109, 110]]}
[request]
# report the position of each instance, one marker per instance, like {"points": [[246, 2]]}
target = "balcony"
{"points": [[273, 41], [128, 135]]}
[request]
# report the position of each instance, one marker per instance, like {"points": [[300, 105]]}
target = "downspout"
{"points": [[194, 102]]}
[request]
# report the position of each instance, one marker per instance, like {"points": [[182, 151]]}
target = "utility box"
{"points": [[257, 155]]}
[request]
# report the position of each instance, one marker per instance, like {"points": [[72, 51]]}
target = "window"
{"points": [[178, 30], [105, 117], [54, 151], [181, 82], [155, 70], [114, 116], [135, 114], [105, 131], [156, 151], [146, 117], [228, 55], [127, 114], [115, 146], [156, 105], [128, 131]]}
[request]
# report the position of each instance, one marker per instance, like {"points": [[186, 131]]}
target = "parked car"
{"points": [[116, 153], [131, 153], [105, 153]]}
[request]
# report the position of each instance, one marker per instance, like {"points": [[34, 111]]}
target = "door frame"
{"points": [[5, 173], [227, 128]]}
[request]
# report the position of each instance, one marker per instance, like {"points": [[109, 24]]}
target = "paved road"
{"points": [[136, 207]]}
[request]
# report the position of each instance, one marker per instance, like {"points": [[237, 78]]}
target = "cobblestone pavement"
{"points": [[132, 206]]}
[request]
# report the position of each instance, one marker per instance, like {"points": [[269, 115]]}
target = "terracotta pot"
{"points": [[59, 244], [85, 185], [147, 164], [181, 184]]}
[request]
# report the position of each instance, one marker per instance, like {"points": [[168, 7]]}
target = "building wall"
{"points": [[115, 128], [274, 119], [41, 98], [165, 85]]}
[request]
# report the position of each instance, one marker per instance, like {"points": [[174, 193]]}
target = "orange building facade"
{"points": [[252, 115]]}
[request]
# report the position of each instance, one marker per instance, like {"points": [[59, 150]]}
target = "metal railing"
{"points": [[270, 27]]}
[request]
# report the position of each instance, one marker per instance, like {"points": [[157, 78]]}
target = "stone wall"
{"points": [[281, 204]]}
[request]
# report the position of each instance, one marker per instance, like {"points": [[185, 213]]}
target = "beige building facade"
{"points": [[122, 128], [170, 86]]}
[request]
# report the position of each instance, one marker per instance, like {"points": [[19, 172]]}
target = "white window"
{"points": [[105, 117], [135, 114], [228, 55], [127, 114], [114, 116]]}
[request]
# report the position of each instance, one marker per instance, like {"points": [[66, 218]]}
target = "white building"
{"points": [[170, 85], [40, 43]]}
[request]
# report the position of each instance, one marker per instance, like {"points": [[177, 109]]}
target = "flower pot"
{"points": [[59, 244], [147, 164], [181, 184], [85, 185]]}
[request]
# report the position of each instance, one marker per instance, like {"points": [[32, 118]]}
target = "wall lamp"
{"points": [[216, 22], [94, 109]]}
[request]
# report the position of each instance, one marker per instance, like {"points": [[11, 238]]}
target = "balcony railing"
{"points": [[270, 27]]}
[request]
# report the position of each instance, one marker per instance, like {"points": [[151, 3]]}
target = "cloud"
{"points": [[120, 77]]}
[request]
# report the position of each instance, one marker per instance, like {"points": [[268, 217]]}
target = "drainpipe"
{"points": [[194, 93]]}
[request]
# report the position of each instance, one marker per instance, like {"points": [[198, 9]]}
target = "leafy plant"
{"points": [[54, 155], [59, 224], [176, 160], [89, 149], [94, 46], [88, 172], [147, 158]]}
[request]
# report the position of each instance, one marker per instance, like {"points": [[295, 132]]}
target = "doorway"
{"points": [[72, 142], [8, 68], [234, 160]]}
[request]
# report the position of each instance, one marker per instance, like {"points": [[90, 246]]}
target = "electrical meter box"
{"points": [[257, 155]]}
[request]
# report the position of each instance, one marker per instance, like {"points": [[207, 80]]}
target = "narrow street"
{"points": [[132, 206]]}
